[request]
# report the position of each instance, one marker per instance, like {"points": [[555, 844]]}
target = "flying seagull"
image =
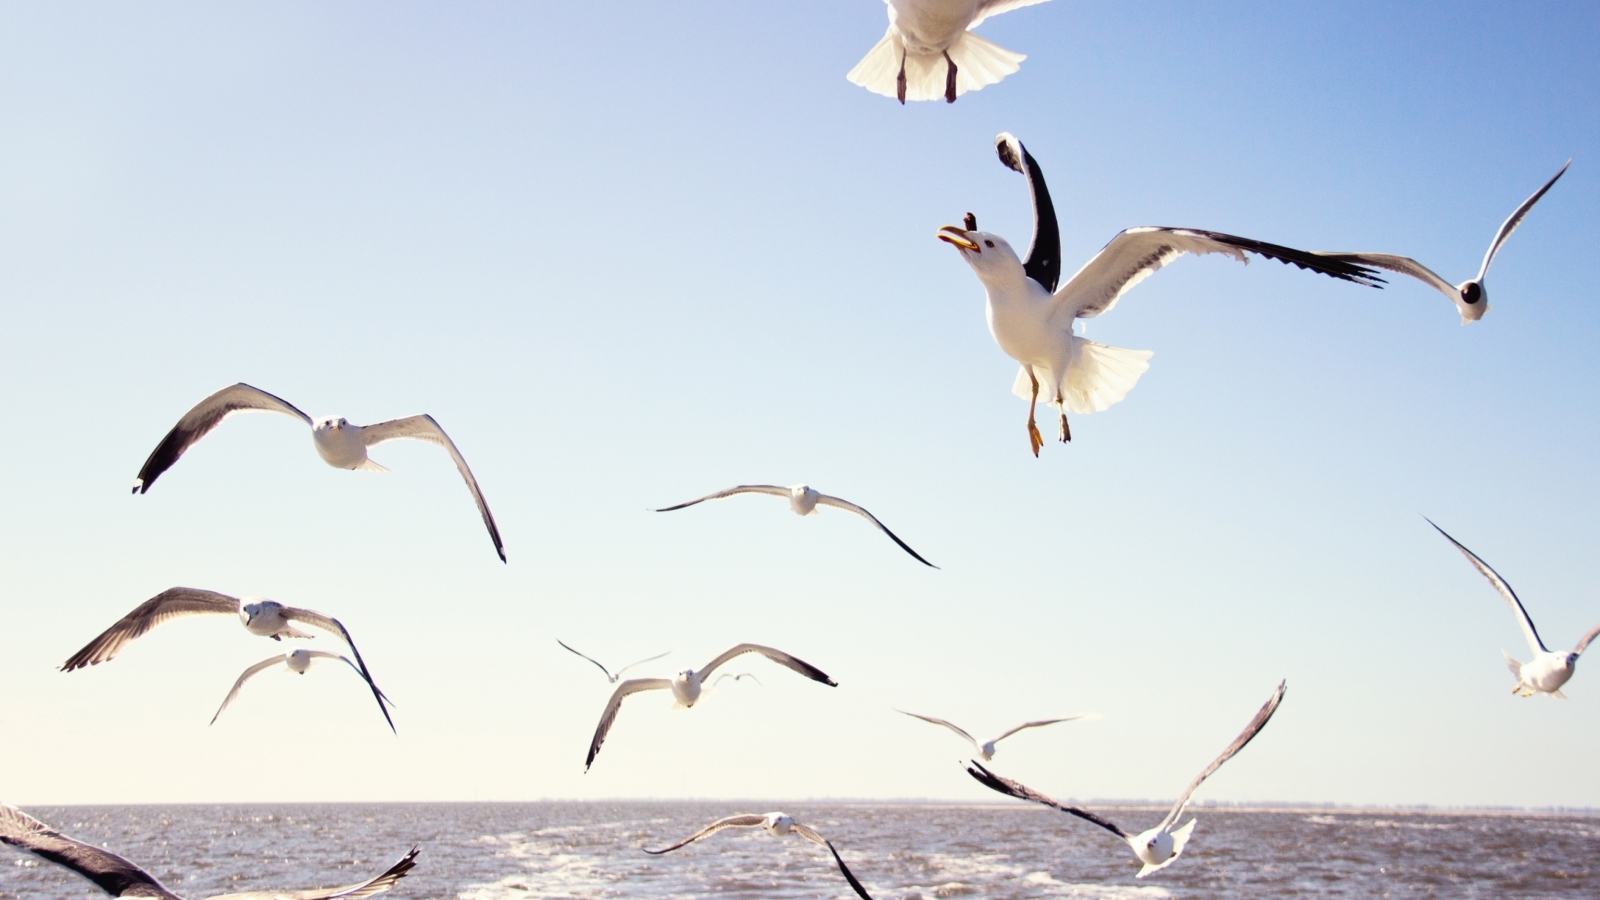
{"points": [[1032, 320], [930, 51], [803, 501], [1547, 671], [1159, 846], [610, 675], [298, 662], [339, 443], [986, 749], [267, 618], [1470, 297], [776, 823], [687, 685], [120, 878]]}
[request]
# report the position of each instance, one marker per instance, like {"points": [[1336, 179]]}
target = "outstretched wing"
{"points": [[1044, 256], [950, 725], [334, 626], [639, 663], [749, 821], [777, 656], [108, 871], [424, 428], [1403, 265], [772, 489], [609, 676], [812, 836], [170, 604], [1586, 639], [366, 888], [1528, 631], [631, 686], [1138, 253], [1250, 731], [198, 422], [1025, 725], [837, 503], [1023, 792], [1510, 224], [248, 674]]}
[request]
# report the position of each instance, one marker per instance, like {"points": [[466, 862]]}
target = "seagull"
{"points": [[1159, 846], [803, 501], [1032, 321], [986, 749], [120, 878], [298, 662], [921, 33], [267, 618], [339, 443], [686, 687], [1470, 297], [776, 823], [613, 676], [1547, 671]]}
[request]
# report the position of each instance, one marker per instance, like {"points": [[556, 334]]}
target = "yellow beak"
{"points": [[958, 236]]}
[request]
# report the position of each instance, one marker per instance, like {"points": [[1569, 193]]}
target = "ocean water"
{"points": [[532, 851]]}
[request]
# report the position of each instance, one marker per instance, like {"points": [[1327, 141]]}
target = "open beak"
{"points": [[950, 234]]}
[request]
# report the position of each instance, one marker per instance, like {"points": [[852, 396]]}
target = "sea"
{"points": [[903, 851]]}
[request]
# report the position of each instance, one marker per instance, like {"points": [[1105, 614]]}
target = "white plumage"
{"points": [[930, 51]]}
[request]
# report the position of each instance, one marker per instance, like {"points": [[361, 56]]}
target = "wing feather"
{"points": [[1511, 223], [988, 8], [198, 422], [1023, 792], [777, 656], [246, 676], [1043, 263], [170, 604], [772, 489], [108, 871], [744, 821], [837, 503], [1250, 731], [368, 888], [609, 676], [334, 626], [1528, 631], [424, 428], [950, 725], [811, 835], [1026, 725], [631, 686], [1583, 644]]}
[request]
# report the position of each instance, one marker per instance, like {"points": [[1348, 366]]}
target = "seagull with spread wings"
{"points": [[986, 749], [120, 878], [339, 443], [610, 675], [687, 686], [1548, 670], [803, 501], [267, 618], [775, 823], [930, 51], [1032, 320], [1159, 846], [299, 662]]}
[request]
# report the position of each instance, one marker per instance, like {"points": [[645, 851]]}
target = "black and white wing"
{"points": [[424, 428], [170, 604], [747, 821], [246, 675], [631, 686], [1250, 731], [1528, 631], [334, 626], [950, 725], [108, 871], [1403, 265], [811, 835], [772, 489], [777, 656], [1138, 253], [1044, 255], [1026, 725], [198, 422], [1510, 224], [368, 888], [1022, 792], [609, 677], [837, 503]]}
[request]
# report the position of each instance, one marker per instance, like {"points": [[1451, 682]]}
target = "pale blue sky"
{"points": [[630, 253]]}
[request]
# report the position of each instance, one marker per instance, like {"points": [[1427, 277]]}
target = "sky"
{"points": [[630, 253]]}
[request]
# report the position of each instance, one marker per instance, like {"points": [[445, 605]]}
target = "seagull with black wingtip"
{"points": [[803, 501], [774, 823]]}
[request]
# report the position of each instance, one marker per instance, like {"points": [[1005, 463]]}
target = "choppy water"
{"points": [[901, 852]]}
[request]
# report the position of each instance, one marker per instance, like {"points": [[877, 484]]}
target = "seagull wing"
{"points": [[1528, 631], [811, 835], [639, 663], [1034, 725], [609, 676], [198, 422], [749, 821], [987, 8], [1250, 731], [631, 686], [1044, 256], [330, 624], [1022, 792], [1583, 644], [772, 489], [170, 604], [1138, 253], [246, 676], [1510, 224], [368, 888], [836, 503], [424, 428], [949, 725], [777, 656], [1404, 265], [109, 872]]}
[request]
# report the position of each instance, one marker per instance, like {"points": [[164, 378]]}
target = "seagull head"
{"points": [[1572, 660], [778, 823], [332, 423], [250, 612], [989, 255], [1474, 301]]}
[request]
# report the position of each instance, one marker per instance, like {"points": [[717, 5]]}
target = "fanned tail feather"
{"points": [[1513, 665], [1099, 376], [879, 70], [978, 63]]}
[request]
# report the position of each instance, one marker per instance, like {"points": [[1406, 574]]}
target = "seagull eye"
{"points": [[988, 243]]}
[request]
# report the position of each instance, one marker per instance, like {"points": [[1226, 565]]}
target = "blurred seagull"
{"points": [[120, 878], [339, 443], [610, 676], [1032, 321], [922, 33], [776, 823], [267, 618], [687, 685], [986, 749], [1159, 846], [1470, 297], [803, 501], [1547, 671], [298, 662]]}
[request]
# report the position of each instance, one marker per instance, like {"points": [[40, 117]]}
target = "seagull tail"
{"points": [[1513, 665], [368, 465], [879, 70], [978, 63], [1098, 376]]}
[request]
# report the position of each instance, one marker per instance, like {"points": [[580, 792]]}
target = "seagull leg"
{"points": [[1065, 433], [949, 79], [900, 80], [1033, 429]]}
